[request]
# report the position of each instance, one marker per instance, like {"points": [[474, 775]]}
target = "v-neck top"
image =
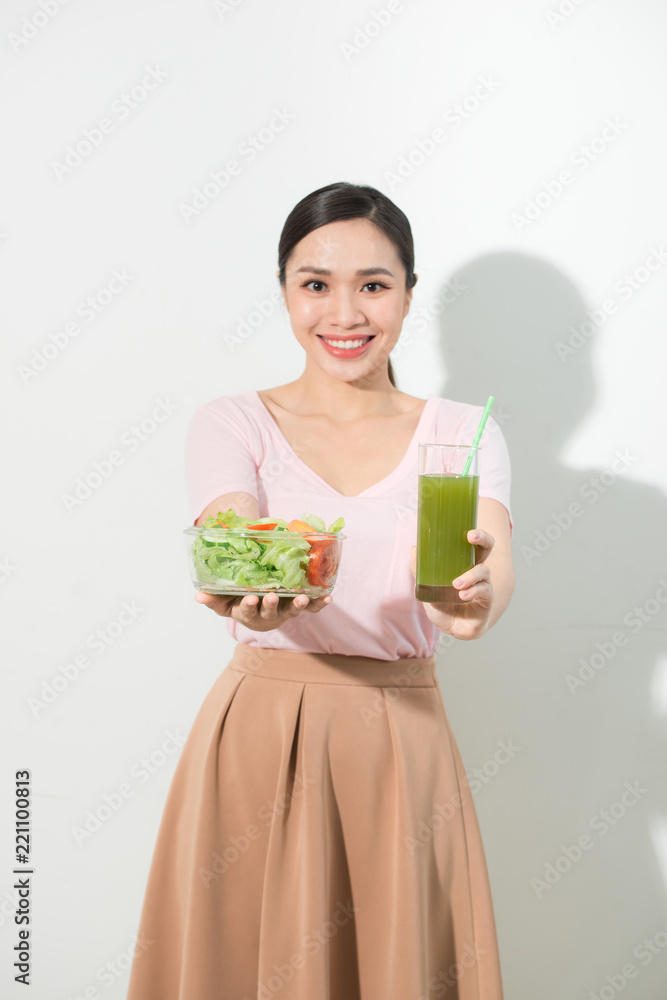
{"points": [[233, 444], [370, 491]]}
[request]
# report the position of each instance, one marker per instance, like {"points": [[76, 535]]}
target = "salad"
{"points": [[291, 563]]}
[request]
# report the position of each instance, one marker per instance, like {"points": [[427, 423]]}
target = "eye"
{"points": [[378, 284], [314, 282]]}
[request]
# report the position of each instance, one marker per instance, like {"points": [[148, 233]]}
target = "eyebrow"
{"points": [[363, 273]]}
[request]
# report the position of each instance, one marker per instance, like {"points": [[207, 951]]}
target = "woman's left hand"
{"points": [[466, 621]]}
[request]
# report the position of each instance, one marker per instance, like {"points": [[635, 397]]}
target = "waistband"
{"points": [[333, 668]]}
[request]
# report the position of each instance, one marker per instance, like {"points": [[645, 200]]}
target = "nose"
{"points": [[344, 311]]}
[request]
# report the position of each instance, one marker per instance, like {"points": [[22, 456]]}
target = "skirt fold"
{"points": [[319, 842]]}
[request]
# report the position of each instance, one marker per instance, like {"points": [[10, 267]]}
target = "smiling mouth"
{"points": [[346, 345]]}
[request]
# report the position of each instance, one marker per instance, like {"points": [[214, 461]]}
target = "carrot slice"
{"points": [[301, 526], [262, 527]]}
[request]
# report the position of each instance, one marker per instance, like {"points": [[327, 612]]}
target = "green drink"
{"points": [[447, 511]]}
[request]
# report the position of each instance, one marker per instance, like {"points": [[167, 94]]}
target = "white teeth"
{"points": [[347, 345]]}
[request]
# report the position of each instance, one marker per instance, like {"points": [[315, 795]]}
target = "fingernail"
{"points": [[457, 583], [475, 535]]}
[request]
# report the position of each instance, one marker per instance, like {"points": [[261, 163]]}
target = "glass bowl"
{"points": [[237, 561]]}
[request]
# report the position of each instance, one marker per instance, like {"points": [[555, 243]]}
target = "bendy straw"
{"points": [[478, 435]]}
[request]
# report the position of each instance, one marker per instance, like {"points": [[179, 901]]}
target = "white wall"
{"points": [[553, 84]]}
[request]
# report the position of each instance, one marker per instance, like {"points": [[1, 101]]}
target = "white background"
{"points": [[360, 101]]}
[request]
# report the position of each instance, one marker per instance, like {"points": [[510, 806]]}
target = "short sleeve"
{"points": [[495, 477], [218, 457]]}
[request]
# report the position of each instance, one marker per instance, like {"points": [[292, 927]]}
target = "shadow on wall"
{"points": [[572, 671]]}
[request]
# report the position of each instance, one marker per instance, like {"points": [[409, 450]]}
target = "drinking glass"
{"points": [[446, 512]]}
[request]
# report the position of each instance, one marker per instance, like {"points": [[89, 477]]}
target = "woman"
{"points": [[319, 840]]}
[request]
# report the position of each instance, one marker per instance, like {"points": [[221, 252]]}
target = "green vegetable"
{"points": [[222, 559]]}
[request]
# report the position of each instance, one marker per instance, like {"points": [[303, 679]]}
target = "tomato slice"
{"points": [[261, 527], [321, 562]]}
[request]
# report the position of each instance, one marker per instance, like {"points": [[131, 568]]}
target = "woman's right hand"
{"points": [[261, 615]]}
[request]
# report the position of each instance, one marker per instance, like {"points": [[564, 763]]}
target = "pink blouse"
{"points": [[233, 443]]}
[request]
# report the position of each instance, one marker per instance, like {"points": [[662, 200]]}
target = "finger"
{"points": [[248, 608], [483, 543], [319, 603], [481, 593], [477, 574], [480, 538], [302, 602], [478, 584], [268, 610], [291, 607], [203, 598], [217, 603]]}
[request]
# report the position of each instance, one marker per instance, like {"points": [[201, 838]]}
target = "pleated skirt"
{"points": [[319, 841]]}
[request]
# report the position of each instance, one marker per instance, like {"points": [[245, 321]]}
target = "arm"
{"points": [[494, 519], [488, 586]]}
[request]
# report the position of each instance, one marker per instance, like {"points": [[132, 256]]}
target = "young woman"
{"points": [[319, 840]]}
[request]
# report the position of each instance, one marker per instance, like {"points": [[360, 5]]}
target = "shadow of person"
{"points": [[571, 673]]}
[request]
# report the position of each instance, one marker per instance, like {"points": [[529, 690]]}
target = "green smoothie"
{"points": [[447, 511]]}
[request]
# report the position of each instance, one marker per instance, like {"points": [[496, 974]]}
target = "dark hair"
{"points": [[339, 201]]}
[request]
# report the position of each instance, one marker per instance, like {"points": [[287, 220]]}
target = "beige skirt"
{"points": [[319, 842]]}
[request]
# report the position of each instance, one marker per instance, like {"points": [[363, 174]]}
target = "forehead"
{"points": [[345, 246]]}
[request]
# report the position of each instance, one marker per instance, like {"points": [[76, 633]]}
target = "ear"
{"points": [[282, 290], [408, 299]]}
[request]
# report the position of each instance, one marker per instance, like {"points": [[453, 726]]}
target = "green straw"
{"points": [[478, 435]]}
